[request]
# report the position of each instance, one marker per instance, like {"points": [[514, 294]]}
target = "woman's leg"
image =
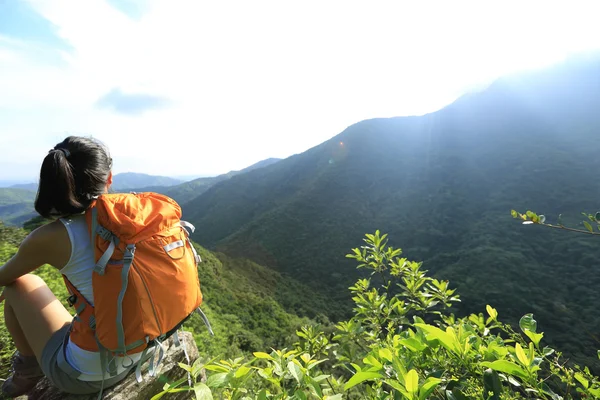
{"points": [[18, 337], [34, 315]]}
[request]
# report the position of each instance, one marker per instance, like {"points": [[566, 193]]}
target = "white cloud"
{"points": [[251, 80]]}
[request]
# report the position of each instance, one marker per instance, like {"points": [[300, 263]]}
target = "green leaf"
{"points": [[159, 395], [436, 333], [361, 377], [262, 395], [514, 213], [528, 323], [535, 337], [315, 384], [370, 360], [547, 351], [413, 344], [295, 371], [491, 383], [262, 355], [546, 390], [334, 397], [492, 312], [521, 355], [581, 379], [595, 392], [428, 387], [385, 354], [506, 367], [588, 226], [411, 381], [202, 392], [217, 380], [300, 395], [185, 367], [242, 371], [397, 386], [529, 326]]}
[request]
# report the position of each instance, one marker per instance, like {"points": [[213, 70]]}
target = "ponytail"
{"points": [[72, 174]]}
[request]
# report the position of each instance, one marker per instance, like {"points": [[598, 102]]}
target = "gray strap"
{"points": [[138, 369], [187, 225], [173, 245], [112, 366], [103, 362], [196, 256], [104, 233], [94, 228], [101, 264], [161, 354], [206, 321], [127, 261], [178, 343], [78, 311]]}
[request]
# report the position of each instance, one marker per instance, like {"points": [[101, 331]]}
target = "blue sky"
{"points": [[218, 85]]}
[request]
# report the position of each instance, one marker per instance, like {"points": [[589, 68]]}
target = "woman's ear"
{"points": [[109, 181]]}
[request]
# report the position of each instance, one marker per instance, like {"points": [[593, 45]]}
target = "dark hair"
{"points": [[73, 173]]}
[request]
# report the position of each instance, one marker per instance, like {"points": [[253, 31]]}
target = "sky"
{"points": [[201, 87]]}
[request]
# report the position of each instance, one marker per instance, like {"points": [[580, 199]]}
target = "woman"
{"points": [[72, 174]]}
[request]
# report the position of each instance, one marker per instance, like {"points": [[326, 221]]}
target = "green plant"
{"points": [[401, 343], [591, 220]]}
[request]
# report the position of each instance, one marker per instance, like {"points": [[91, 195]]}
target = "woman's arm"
{"points": [[48, 244]]}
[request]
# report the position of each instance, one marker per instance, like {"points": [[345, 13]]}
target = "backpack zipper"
{"points": [[151, 302]]}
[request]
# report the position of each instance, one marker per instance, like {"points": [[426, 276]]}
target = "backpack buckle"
{"points": [[71, 300], [129, 253]]}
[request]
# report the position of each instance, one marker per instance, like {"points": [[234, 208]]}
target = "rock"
{"points": [[129, 388]]}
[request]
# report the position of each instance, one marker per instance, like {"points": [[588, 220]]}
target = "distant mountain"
{"points": [[5, 183], [27, 186], [16, 205], [187, 191], [135, 180], [442, 185]]}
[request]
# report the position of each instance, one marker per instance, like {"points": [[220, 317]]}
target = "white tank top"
{"points": [[79, 272]]}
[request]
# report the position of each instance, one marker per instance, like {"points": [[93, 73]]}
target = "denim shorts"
{"points": [[59, 378]]}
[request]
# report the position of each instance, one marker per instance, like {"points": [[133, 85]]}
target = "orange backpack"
{"points": [[145, 281]]}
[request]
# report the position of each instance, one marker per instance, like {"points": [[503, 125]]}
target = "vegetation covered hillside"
{"points": [[443, 185], [16, 205]]}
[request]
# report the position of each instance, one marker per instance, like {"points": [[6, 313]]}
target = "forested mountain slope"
{"points": [[16, 205]]}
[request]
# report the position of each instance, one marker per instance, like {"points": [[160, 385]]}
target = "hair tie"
{"points": [[66, 152]]}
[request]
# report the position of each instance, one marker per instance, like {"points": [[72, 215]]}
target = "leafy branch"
{"points": [[530, 217]]}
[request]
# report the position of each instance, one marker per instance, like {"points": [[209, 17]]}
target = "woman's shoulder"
{"points": [[47, 232], [51, 239]]}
